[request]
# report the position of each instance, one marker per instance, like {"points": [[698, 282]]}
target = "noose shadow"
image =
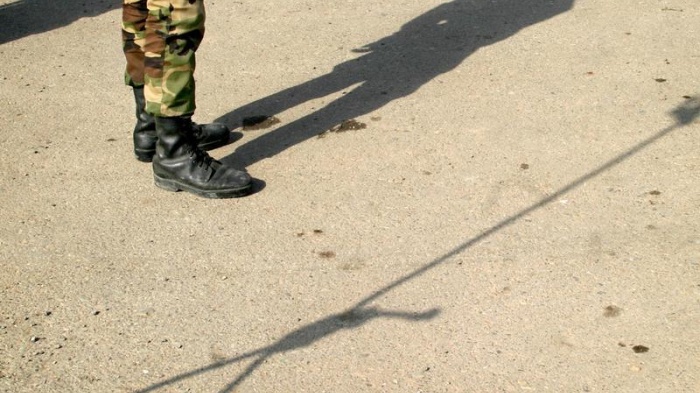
{"points": [[391, 68], [27, 17], [302, 337], [685, 114]]}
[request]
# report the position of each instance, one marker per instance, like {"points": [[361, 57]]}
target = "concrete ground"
{"points": [[521, 212]]}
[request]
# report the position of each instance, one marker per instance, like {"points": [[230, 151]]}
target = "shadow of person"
{"points": [[27, 17], [685, 114], [391, 68]]}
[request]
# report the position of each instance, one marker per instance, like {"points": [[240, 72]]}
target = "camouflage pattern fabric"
{"points": [[134, 14], [160, 38]]}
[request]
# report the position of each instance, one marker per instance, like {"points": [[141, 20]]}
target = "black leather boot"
{"points": [[180, 165], [144, 130], [208, 136]]}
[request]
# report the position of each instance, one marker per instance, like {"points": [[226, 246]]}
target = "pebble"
{"points": [[34, 339]]}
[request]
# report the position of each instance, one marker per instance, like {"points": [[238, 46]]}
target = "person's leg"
{"points": [[134, 17], [134, 14], [174, 30]]}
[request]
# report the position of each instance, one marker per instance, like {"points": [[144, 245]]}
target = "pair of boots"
{"points": [[176, 146]]}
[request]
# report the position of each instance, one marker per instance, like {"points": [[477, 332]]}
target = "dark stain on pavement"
{"points": [[315, 232], [640, 349], [259, 122], [344, 126], [612, 311]]}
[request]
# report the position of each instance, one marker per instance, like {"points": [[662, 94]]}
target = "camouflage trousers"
{"points": [[160, 38]]}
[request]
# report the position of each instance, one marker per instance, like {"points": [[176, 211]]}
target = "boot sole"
{"points": [[175, 186]]}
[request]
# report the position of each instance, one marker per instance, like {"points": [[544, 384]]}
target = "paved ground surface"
{"points": [[521, 212]]}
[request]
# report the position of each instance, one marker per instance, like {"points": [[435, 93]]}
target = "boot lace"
{"points": [[200, 158]]}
